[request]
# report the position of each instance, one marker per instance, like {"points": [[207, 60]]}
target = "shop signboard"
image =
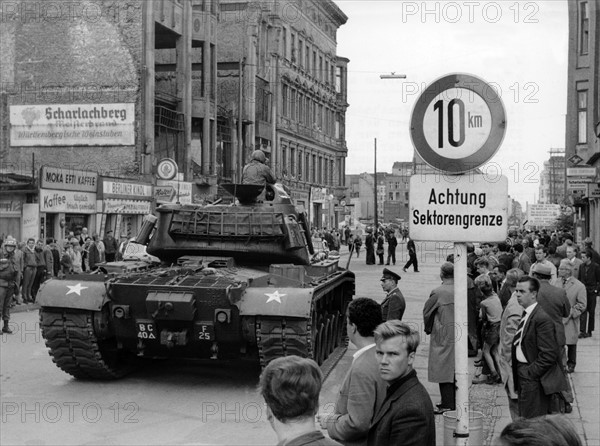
{"points": [[118, 188], [72, 125], [120, 206], [182, 189], [67, 201], [543, 214], [31, 221], [68, 179]]}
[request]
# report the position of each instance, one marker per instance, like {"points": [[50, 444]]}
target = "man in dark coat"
{"points": [[553, 300], [406, 416], [536, 356], [392, 243], [370, 247], [111, 246], [393, 305], [589, 275], [412, 256]]}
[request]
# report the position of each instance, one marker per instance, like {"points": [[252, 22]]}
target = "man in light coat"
{"points": [[363, 390], [511, 316], [438, 316], [577, 296]]}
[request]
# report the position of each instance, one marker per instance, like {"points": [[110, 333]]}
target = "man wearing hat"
{"points": [[552, 299], [393, 305], [9, 274]]}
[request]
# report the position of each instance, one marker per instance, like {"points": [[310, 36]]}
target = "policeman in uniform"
{"points": [[9, 274], [256, 171], [393, 305]]}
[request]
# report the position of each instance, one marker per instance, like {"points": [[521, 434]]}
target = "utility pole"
{"points": [[375, 191]]}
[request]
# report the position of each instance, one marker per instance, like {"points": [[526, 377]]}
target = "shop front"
{"points": [[124, 204], [67, 201]]}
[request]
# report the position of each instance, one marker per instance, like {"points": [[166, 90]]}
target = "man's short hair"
{"points": [[30, 239], [484, 283], [482, 262], [566, 263], [541, 247], [518, 247], [365, 313], [589, 253], [290, 386], [513, 275], [447, 270], [534, 284], [393, 328], [501, 268]]}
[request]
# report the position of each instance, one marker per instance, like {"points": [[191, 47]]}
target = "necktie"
{"points": [[519, 333]]}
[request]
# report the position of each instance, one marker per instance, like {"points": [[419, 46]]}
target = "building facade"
{"points": [[582, 144], [552, 180], [283, 89], [92, 96]]}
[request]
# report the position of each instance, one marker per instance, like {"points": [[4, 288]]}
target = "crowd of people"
{"points": [[24, 266], [524, 324]]}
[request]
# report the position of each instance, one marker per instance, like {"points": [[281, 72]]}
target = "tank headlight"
{"points": [[222, 317], [119, 313]]}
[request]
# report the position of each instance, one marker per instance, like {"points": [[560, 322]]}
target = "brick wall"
{"points": [[71, 52]]}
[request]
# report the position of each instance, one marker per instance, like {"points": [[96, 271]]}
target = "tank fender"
{"points": [[77, 294], [274, 301]]}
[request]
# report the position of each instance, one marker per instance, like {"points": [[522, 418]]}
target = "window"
{"points": [[582, 116], [313, 168], [292, 161], [307, 167], [300, 108], [314, 64], [293, 104], [320, 170], [284, 42], [285, 101], [293, 45], [300, 156], [338, 79], [300, 59], [307, 66], [584, 28], [320, 74], [284, 161]]}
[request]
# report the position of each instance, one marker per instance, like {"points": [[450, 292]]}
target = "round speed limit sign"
{"points": [[458, 123]]}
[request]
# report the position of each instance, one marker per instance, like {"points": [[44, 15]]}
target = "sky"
{"points": [[520, 47]]}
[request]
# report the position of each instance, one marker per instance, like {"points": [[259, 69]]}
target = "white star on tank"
{"points": [[274, 296], [76, 289]]}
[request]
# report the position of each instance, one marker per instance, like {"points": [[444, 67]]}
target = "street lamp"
{"points": [[392, 75]]}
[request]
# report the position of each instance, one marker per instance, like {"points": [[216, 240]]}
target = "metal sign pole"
{"points": [[461, 364]]}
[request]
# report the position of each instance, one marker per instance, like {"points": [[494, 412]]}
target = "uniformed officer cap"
{"points": [[387, 274]]}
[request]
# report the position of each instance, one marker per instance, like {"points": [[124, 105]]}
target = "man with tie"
{"points": [[535, 354], [363, 391]]}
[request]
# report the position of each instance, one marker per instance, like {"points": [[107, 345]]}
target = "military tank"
{"points": [[237, 280]]}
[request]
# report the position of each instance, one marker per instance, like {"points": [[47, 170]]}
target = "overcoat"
{"points": [[511, 316], [556, 305], [577, 296], [438, 316]]}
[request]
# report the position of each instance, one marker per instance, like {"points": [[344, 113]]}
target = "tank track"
{"points": [[75, 348], [322, 338]]}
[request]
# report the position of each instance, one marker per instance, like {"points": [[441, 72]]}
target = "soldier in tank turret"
{"points": [[256, 171]]}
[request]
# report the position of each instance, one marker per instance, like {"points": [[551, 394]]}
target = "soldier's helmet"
{"points": [[10, 241], [259, 155]]}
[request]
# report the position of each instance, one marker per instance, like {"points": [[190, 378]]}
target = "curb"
{"points": [[22, 308]]}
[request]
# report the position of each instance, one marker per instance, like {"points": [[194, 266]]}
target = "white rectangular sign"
{"points": [[581, 171], [72, 125], [125, 188], [578, 182], [543, 214], [126, 207], [458, 208], [594, 190], [67, 201]]}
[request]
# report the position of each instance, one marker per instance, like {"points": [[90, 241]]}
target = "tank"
{"points": [[235, 281]]}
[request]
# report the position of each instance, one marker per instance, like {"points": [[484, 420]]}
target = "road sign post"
{"points": [[458, 124]]}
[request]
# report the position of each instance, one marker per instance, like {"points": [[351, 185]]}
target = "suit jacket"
{"points": [[556, 305], [504, 294], [589, 275], [361, 395], [406, 417], [542, 352], [523, 262], [393, 305], [578, 299]]}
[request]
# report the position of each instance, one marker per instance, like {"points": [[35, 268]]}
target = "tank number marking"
{"points": [[204, 332], [145, 330]]}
